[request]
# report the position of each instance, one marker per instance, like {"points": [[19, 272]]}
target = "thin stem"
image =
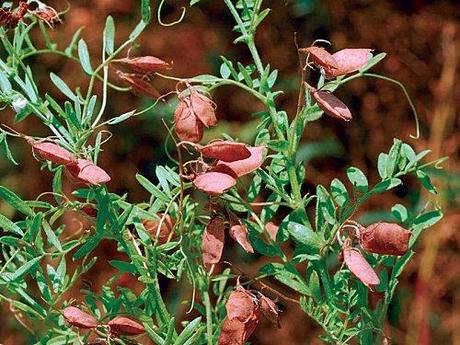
{"points": [[207, 304]]}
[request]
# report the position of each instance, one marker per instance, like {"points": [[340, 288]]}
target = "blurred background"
{"points": [[422, 39]]}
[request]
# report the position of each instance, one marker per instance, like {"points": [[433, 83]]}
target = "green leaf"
{"points": [[426, 181], [278, 145], [288, 276], [146, 11], [123, 266], [150, 187], [6, 149], [121, 118], [83, 54], [339, 192], [373, 61], [400, 212], [188, 331], [87, 247], [326, 204], [8, 225], [24, 269], [62, 86], [381, 165], [386, 185], [52, 238], [73, 42], [5, 84], [358, 179], [305, 236], [15, 201], [109, 35]]}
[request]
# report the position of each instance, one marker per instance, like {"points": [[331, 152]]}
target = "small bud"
{"points": [[226, 151], [87, 172], [124, 326], [212, 244], [386, 239], [358, 265], [214, 183], [331, 105], [78, 318], [248, 165]]}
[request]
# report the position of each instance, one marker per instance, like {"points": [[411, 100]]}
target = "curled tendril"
{"points": [[160, 7]]}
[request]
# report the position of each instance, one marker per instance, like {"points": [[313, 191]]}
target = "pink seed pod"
{"points": [[138, 85], [349, 61], [88, 173], [212, 244], [358, 265], [226, 151], [385, 238], [51, 152], [143, 64], [320, 57], [79, 319], [187, 126], [124, 326], [214, 183], [166, 228], [239, 232], [240, 305], [270, 310], [248, 165], [331, 105], [272, 230], [203, 108]]}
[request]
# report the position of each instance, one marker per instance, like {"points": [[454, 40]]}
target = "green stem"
{"points": [[207, 303]]}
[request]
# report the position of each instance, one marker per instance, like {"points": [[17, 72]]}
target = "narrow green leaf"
{"points": [[109, 35], [24, 269], [8, 225], [62, 86], [83, 54], [15, 201]]}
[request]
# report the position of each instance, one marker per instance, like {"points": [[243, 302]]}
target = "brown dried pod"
{"points": [[203, 108], [349, 61], [358, 265], [52, 152], [214, 183], [320, 57], [239, 232], [248, 165], [242, 318], [87, 172], [226, 151], [142, 64], [331, 105], [46, 13], [165, 230], [138, 85], [270, 310], [9, 19], [187, 126], [124, 326], [385, 238], [79, 318], [212, 244]]}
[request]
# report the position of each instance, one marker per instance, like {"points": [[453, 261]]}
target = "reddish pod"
{"points": [[272, 230], [358, 265], [165, 230], [226, 151], [203, 108], [212, 244], [79, 319], [348, 61], [246, 166], [385, 238], [52, 152], [320, 57], [87, 172], [143, 64], [270, 310], [331, 105], [187, 126], [242, 318], [139, 86], [239, 232], [214, 183], [124, 326], [47, 14]]}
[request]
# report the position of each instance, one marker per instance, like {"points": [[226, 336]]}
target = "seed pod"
{"points": [[242, 318], [331, 105], [87, 172], [226, 151], [187, 126], [203, 108], [270, 310], [139, 86], [272, 230], [52, 152], [248, 165], [386, 239], [165, 230], [320, 57], [79, 319], [212, 244], [239, 232], [214, 183], [46, 13], [143, 64], [358, 265], [9, 19], [349, 61], [124, 326]]}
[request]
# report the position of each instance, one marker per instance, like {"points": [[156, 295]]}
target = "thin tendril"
{"points": [[160, 7]]}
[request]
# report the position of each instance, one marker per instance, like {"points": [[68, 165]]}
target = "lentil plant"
{"points": [[343, 273]]}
